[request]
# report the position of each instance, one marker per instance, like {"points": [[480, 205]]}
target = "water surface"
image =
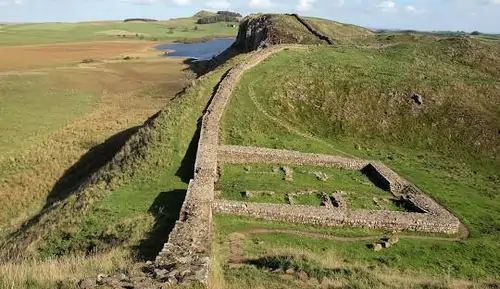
{"points": [[200, 51]]}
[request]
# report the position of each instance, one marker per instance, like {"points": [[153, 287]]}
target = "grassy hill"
{"points": [[428, 107], [358, 102], [44, 33]]}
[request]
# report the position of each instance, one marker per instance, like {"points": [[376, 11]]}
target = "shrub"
{"points": [[217, 18], [229, 13]]}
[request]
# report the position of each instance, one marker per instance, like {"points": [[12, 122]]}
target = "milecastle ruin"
{"points": [[186, 256]]}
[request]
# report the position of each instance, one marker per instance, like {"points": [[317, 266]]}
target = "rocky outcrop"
{"points": [[253, 33]]}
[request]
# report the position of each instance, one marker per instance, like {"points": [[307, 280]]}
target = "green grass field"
{"points": [[31, 108], [351, 263], [360, 192], [358, 103], [46, 33]]}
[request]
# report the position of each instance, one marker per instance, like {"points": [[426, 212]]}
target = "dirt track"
{"points": [[236, 240]]}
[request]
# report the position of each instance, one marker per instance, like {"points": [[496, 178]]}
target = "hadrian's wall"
{"points": [[328, 217], [384, 177], [312, 30], [185, 256], [239, 154]]}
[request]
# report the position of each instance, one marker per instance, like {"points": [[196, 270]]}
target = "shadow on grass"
{"points": [[72, 179], [87, 165], [186, 170], [202, 67], [165, 209], [297, 264]]}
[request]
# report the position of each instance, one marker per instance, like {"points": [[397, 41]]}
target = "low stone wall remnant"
{"points": [[323, 216], [241, 155]]}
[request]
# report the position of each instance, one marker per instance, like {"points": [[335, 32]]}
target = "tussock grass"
{"points": [[62, 272], [341, 33]]}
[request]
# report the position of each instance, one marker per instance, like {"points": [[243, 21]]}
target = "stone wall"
{"points": [[240, 155], [312, 30], [325, 216], [185, 256], [385, 178]]}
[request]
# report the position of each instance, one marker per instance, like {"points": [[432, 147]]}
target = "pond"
{"points": [[201, 51]]}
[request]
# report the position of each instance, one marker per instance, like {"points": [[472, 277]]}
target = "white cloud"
{"points": [[260, 3], [4, 3], [218, 4], [305, 5], [182, 2], [495, 1], [413, 9], [387, 6]]}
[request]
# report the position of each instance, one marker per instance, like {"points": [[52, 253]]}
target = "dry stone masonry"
{"points": [[240, 155], [326, 216], [185, 258], [312, 30]]}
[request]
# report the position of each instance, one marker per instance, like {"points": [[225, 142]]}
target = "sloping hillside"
{"points": [[429, 108]]}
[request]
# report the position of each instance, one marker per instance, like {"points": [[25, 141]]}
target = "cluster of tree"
{"points": [[221, 16], [229, 13], [140, 19]]}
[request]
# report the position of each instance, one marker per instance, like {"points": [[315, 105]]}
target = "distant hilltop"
{"points": [[140, 20]]}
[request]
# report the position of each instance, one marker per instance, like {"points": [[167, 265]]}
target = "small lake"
{"points": [[200, 51]]}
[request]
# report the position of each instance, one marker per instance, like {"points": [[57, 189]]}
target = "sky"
{"points": [[455, 15]]}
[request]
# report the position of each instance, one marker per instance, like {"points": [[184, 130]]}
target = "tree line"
{"points": [[220, 16]]}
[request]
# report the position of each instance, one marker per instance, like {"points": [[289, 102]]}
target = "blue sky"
{"points": [[467, 15]]}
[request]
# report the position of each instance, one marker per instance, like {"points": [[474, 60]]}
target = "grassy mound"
{"points": [[426, 108], [204, 13]]}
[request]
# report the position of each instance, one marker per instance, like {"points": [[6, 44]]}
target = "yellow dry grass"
{"points": [[380, 275], [32, 273]]}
